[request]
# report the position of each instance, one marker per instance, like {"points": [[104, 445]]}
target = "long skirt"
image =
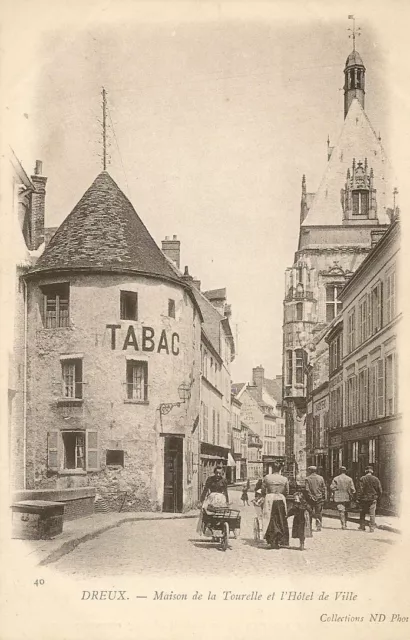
{"points": [[277, 532], [302, 527]]}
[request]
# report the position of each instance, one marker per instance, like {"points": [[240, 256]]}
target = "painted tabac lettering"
{"points": [[147, 341]]}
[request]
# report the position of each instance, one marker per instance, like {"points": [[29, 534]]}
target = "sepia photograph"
{"points": [[204, 321]]}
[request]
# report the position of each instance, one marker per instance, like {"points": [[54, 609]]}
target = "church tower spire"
{"points": [[354, 73]]}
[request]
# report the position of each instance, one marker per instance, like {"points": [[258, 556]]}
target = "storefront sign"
{"points": [[168, 343]]}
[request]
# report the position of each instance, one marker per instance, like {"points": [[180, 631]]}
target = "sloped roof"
{"points": [[211, 319], [357, 140], [236, 387], [274, 388], [103, 231]]}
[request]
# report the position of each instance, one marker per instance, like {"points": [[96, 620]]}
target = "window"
{"points": [[360, 200], [376, 390], [363, 395], [335, 353], [72, 451], [289, 367], [171, 308], [376, 308], [115, 457], [351, 331], [363, 318], [300, 362], [333, 304], [391, 382], [213, 426], [351, 400], [372, 451], [218, 429], [299, 311], [205, 422], [128, 305], [72, 378], [56, 305], [355, 452], [137, 380], [390, 304]]}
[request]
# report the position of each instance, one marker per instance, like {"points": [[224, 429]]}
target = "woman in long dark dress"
{"points": [[275, 487]]}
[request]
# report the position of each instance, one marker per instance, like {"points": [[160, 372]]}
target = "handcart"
{"points": [[257, 523], [221, 521]]}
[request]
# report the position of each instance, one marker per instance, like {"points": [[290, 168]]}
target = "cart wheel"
{"points": [[225, 536], [256, 529]]}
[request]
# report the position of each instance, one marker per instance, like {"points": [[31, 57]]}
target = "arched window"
{"points": [[289, 367], [300, 365], [299, 311]]}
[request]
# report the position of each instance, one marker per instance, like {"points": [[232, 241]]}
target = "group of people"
{"points": [[307, 504]]}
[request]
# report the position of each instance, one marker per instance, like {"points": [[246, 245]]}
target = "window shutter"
{"points": [[380, 306], [53, 438], [92, 450], [380, 388]]}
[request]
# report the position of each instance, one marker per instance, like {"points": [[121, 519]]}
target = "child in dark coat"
{"points": [[302, 517], [244, 496]]}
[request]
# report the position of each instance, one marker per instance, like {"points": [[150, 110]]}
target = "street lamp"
{"points": [[184, 392]]}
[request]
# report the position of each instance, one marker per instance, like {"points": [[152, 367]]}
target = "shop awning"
{"points": [[231, 461], [207, 456]]}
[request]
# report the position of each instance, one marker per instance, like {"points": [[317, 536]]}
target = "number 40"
{"points": [[39, 582]]}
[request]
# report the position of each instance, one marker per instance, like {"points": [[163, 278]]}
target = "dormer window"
{"points": [[358, 198]]}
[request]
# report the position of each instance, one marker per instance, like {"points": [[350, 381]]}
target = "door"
{"points": [[173, 475]]}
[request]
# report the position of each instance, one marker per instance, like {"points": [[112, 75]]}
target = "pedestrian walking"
{"points": [[244, 496], [342, 488], [370, 490], [248, 484], [275, 527], [316, 492], [302, 521], [258, 486]]}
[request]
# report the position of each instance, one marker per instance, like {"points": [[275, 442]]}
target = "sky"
{"points": [[215, 113]]}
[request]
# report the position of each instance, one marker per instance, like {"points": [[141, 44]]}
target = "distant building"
{"points": [[254, 461], [336, 227]]}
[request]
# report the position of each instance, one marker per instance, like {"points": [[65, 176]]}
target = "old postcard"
{"points": [[204, 213]]}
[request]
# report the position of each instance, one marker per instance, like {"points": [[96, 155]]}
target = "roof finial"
{"points": [[354, 32]]}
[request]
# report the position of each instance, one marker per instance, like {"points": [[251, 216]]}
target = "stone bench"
{"points": [[37, 519], [78, 502]]}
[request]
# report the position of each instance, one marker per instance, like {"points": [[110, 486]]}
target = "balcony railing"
{"points": [[298, 295]]}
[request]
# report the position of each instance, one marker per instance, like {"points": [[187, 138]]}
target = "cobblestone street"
{"points": [[173, 547]]}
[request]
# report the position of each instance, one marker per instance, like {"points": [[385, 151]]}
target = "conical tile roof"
{"points": [[103, 231]]}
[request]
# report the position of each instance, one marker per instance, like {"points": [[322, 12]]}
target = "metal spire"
{"points": [[355, 33]]}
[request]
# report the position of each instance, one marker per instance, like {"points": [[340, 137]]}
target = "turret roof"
{"points": [[103, 231], [353, 59]]}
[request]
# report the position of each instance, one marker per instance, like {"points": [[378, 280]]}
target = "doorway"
{"points": [[173, 456]]}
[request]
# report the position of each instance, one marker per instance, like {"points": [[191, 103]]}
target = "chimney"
{"points": [[188, 278], [197, 284], [172, 249], [38, 205], [217, 297], [258, 374], [376, 235]]}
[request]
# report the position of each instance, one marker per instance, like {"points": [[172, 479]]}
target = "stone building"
{"points": [[217, 352], [372, 314], [113, 361], [336, 225]]}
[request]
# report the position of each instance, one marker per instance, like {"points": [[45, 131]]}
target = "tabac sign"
{"points": [[146, 340]]}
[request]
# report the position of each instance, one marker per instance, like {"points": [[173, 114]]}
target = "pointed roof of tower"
{"points": [[354, 59], [357, 140], [103, 231]]}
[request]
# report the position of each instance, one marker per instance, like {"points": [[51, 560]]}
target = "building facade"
{"points": [[371, 410], [336, 224], [113, 361]]}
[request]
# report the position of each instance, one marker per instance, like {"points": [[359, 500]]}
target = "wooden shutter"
{"points": [[380, 388], [92, 450], [53, 439]]}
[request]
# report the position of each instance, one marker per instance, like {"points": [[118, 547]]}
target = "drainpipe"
{"points": [[25, 390]]}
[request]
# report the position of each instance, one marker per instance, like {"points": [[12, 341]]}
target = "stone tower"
{"points": [[334, 238]]}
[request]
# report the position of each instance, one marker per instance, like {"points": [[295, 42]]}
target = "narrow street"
{"points": [[173, 547]]}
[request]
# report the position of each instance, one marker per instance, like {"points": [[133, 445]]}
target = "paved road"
{"points": [[148, 547]]}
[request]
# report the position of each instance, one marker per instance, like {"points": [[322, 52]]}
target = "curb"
{"points": [[382, 527], [70, 545]]}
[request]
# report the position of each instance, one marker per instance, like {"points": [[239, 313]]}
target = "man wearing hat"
{"points": [[316, 494], [369, 492], [343, 490]]}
